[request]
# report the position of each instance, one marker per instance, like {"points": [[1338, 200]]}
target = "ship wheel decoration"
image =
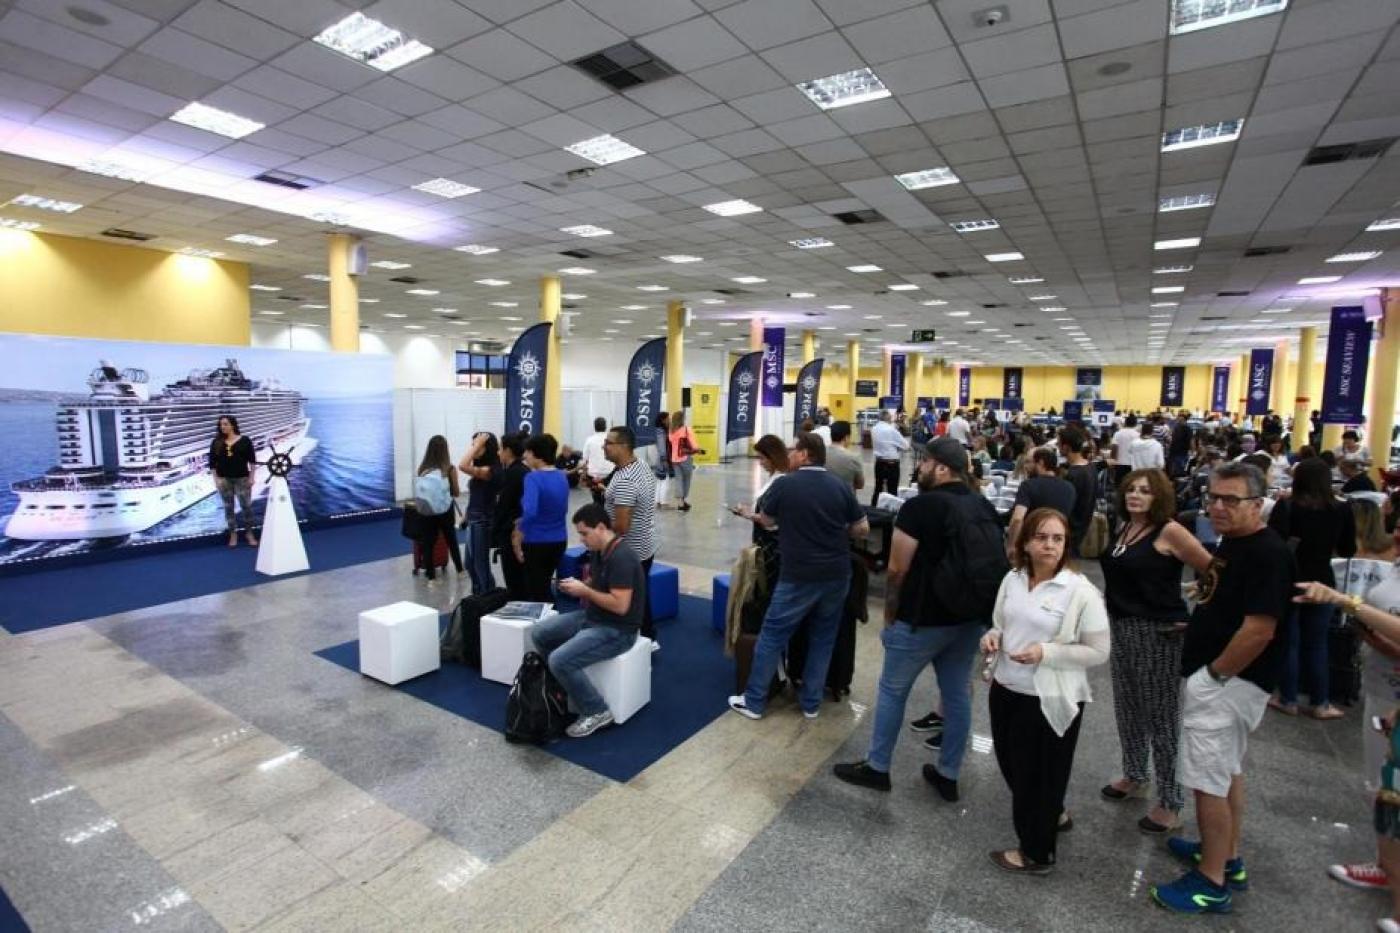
{"points": [[280, 464]]}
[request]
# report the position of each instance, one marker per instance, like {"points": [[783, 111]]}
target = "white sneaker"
{"points": [[812, 715], [736, 703], [1387, 925], [588, 725]]}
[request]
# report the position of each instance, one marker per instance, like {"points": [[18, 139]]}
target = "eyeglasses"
{"points": [[1041, 537], [1229, 502]]}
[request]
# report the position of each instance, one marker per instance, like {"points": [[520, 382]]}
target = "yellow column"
{"points": [[886, 376], [675, 354], [917, 386], [809, 346], [1243, 397], [1381, 420], [1302, 399], [1277, 389], [345, 293], [549, 312], [755, 334], [853, 356]]}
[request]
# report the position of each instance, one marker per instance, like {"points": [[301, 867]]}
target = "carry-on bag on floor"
{"points": [[1343, 665], [439, 556], [743, 666], [537, 709], [461, 642]]}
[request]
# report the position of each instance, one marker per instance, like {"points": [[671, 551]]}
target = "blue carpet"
{"points": [[10, 920], [70, 594], [691, 680]]}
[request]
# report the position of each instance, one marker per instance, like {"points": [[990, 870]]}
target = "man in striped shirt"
{"points": [[630, 499]]}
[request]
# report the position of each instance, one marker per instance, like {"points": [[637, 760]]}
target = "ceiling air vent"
{"points": [[578, 253], [287, 180], [866, 216], [1220, 317], [1255, 251], [1235, 294], [732, 292], [812, 314], [406, 279], [1346, 152], [995, 305], [623, 66], [120, 234], [289, 298], [954, 274]]}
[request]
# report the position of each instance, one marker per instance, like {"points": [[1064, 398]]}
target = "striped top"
{"points": [[635, 485]]}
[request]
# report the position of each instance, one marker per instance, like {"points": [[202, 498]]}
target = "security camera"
{"points": [[991, 17]]}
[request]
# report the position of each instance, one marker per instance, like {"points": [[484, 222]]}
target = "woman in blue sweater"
{"points": [[542, 531]]}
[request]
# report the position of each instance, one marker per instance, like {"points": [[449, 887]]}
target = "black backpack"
{"points": [[537, 709], [968, 577], [461, 642]]}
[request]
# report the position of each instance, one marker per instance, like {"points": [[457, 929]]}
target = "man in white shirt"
{"points": [[1122, 440], [596, 465], [959, 430], [888, 444], [1351, 449], [1146, 452]]}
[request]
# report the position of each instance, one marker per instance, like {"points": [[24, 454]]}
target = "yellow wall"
{"points": [[82, 288]]}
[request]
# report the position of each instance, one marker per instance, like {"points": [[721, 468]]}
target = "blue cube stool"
{"points": [[719, 600], [570, 565], [664, 592]]}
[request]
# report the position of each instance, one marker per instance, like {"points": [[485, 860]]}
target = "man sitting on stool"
{"points": [[607, 626]]}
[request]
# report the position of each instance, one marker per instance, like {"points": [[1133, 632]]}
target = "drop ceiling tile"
{"points": [[1021, 87], [875, 115], [357, 113], [422, 135], [106, 113], [746, 143], [446, 77], [463, 122], [322, 66], [1118, 27], [844, 13], [134, 96], [1015, 51], [963, 23], [318, 129], [276, 84], [692, 156], [613, 114], [380, 147], [804, 130], [738, 77], [671, 96], [943, 102], [1223, 44], [274, 138], [194, 53], [1056, 111], [763, 24], [1307, 24], [563, 87], [1121, 99], [725, 173], [437, 23], [636, 19], [712, 121], [814, 57], [1143, 123], [566, 31], [786, 103], [509, 106], [913, 31], [502, 55], [63, 43], [1204, 83], [693, 45], [231, 28]]}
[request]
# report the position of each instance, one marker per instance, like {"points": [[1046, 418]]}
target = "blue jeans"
{"points": [[479, 555], [569, 646], [1305, 653], [908, 650], [821, 604]]}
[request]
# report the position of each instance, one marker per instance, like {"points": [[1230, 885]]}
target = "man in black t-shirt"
{"points": [[1079, 473], [1043, 490], [1179, 448], [507, 510], [919, 629], [1231, 660]]}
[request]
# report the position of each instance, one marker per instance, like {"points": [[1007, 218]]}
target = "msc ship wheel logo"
{"points": [[745, 380], [528, 367], [280, 464], [809, 382], [646, 374]]}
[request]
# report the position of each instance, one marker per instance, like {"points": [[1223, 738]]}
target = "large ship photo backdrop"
{"points": [[106, 443]]}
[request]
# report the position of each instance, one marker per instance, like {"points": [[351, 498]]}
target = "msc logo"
{"points": [[528, 367], [809, 382], [645, 374], [745, 380]]}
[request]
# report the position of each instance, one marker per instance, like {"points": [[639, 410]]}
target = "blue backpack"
{"points": [[433, 493]]}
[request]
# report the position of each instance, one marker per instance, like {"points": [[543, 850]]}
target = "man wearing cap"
{"points": [[919, 629]]}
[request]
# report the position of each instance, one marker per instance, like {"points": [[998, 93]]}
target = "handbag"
{"points": [[414, 524]]}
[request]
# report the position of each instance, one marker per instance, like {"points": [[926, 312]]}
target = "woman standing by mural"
{"points": [[231, 461]]}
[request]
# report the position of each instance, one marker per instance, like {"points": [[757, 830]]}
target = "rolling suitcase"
{"points": [[439, 556]]}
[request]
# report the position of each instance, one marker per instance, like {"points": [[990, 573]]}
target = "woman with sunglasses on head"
{"points": [[1142, 572], [1048, 627]]}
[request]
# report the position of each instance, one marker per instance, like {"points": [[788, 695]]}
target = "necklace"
{"points": [[1124, 542]]}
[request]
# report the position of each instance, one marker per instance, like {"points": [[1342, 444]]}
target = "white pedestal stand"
{"points": [[280, 550]]}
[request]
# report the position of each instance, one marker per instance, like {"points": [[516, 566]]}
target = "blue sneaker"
{"points": [[1236, 878], [1193, 893]]}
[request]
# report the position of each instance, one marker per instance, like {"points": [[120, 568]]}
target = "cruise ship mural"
{"points": [[106, 443]]}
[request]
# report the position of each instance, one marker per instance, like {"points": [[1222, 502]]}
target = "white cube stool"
{"points": [[398, 642], [504, 642], [624, 681], [888, 502]]}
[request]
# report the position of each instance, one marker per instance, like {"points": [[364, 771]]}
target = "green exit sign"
{"points": [[922, 336]]}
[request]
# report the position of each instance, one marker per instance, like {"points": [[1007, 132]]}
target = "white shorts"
{"points": [[1216, 721]]}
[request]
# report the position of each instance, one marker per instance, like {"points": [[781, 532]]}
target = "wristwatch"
{"points": [[1222, 680], [1352, 604]]}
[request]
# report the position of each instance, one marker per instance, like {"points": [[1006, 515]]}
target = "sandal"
{"points": [[1287, 709], [233, 540], [1148, 826], [1002, 859], [1327, 712], [1115, 793]]}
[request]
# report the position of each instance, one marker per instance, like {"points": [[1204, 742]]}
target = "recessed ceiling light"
{"points": [[200, 253], [748, 279], [369, 301], [732, 208], [1168, 316], [802, 294], [586, 230], [312, 307], [1053, 309], [274, 313], [604, 150], [1181, 243], [927, 178], [444, 310], [413, 327], [973, 226], [249, 239], [203, 117], [46, 204], [622, 320], [372, 43], [957, 313], [494, 283], [505, 304], [391, 264], [117, 165], [1185, 202], [633, 308], [394, 314], [1319, 279], [573, 296], [1003, 257], [1164, 304], [814, 242], [873, 317], [577, 270], [507, 317], [1168, 289], [1385, 223], [445, 188], [1191, 15], [422, 291], [652, 288], [933, 303], [1206, 134], [845, 89], [682, 258], [1354, 257], [867, 267], [1025, 280], [838, 307], [476, 249], [1276, 311], [1171, 270], [317, 277], [728, 323], [904, 287], [265, 288], [1042, 297]]}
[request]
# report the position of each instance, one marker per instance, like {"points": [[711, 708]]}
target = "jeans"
{"points": [[793, 601], [685, 469], [1305, 653], [908, 650], [479, 555], [242, 487], [569, 646]]}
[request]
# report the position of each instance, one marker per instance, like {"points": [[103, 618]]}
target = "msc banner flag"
{"points": [[1088, 383], [1220, 389], [964, 387], [1348, 356], [809, 383], [743, 396], [644, 382], [898, 362], [773, 367], [1258, 380], [1173, 386], [1011, 378], [525, 372], [1074, 409]]}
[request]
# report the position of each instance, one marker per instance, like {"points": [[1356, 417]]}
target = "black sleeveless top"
{"points": [[1141, 583]]}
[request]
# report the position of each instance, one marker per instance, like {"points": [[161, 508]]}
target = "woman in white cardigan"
{"points": [[1048, 627]]}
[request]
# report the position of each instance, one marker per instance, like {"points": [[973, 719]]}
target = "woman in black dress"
{"points": [[231, 461]]}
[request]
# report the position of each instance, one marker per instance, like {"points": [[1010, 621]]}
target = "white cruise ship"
{"points": [[129, 460]]}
